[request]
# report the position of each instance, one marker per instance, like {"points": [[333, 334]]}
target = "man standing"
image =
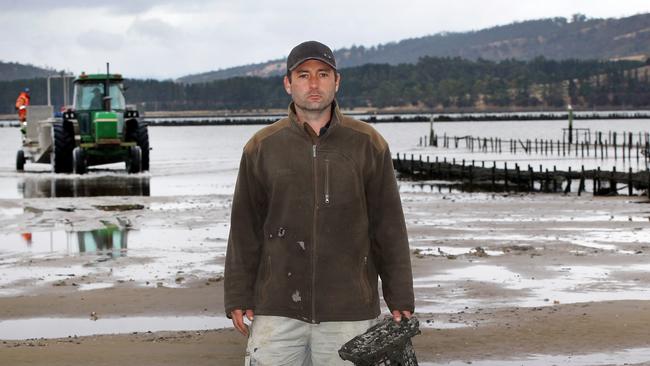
{"points": [[316, 219], [21, 106]]}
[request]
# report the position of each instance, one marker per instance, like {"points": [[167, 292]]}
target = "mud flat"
{"points": [[107, 269], [497, 277]]}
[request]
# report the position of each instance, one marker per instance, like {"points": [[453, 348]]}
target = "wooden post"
{"points": [[601, 148], [567, 189], [444, 166], [593, 181], [581, 186], [471, 176], [518, 175], [494, 173], [630, 137], [599, 185], [546, 181], [462, 170], [612, 181], [505, 179], [630, 188], [531, 176]]}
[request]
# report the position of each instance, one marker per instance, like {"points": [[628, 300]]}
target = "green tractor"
{"points": [[99, 128]]}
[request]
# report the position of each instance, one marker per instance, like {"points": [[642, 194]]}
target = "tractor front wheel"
{"points": [[79, 161], [134, 161], [61, 156]]}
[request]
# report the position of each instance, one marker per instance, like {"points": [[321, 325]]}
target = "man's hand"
{"points": [[238, 320], [397, 315]]}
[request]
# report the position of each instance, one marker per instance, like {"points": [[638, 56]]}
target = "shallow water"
{"points": [[633, 356], [70, 327]]}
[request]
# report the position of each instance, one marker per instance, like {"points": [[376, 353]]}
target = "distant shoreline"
{"points": [[409, 118], [203, 118]]}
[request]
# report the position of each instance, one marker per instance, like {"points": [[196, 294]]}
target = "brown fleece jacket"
{"points": [[315, 222]]}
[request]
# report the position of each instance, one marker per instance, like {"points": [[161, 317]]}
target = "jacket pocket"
{"points": [[366, 291], [327, 182]]}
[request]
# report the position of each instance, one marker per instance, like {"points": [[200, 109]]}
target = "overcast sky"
{"points": [[169, 39]]}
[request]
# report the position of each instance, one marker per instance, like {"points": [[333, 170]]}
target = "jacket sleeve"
{"points": [[246, 238], [388, 234]]}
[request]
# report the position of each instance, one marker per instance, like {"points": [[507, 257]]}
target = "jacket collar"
{"points": [[335, 118]]}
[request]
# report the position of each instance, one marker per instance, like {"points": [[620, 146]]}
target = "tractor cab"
{"points": [[99, 106], [90, 94]]}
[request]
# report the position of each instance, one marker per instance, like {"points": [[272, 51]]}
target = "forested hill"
{"points": [[553, 38], [433, 84], [15, 71]]}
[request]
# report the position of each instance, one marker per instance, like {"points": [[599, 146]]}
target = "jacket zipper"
{"points": [[327, 182], [313, 249]]}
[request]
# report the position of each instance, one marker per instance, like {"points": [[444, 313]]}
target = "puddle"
{"points": [[431, 324], [64, 327], [149, 257], [443, 251], [623, 357], [565, 284], [49, 186], [94, 286]]}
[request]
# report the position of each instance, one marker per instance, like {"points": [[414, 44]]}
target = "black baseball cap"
{"points": [[310, 50]]}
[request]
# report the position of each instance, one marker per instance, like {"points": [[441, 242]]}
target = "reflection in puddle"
{"points": [[64, 327], [110, 240], [624, 357], [105, 185]]}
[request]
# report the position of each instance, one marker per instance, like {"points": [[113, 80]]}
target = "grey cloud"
{"points": [[154, 29], [98, 40], [134, 7]]}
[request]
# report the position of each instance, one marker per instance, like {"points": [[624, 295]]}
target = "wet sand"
{"points": [[502, 276], [494, 334]]}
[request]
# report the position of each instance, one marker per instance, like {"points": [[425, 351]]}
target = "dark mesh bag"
{"points": [[385, 344]]}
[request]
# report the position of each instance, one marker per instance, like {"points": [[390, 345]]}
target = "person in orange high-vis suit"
{"points": [[21, 106]]}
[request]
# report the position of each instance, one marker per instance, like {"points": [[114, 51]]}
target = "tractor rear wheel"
{"points": [[79, 161], [61, 156], [20, 160], [140, 134], [142, 138], [134, 161]]}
